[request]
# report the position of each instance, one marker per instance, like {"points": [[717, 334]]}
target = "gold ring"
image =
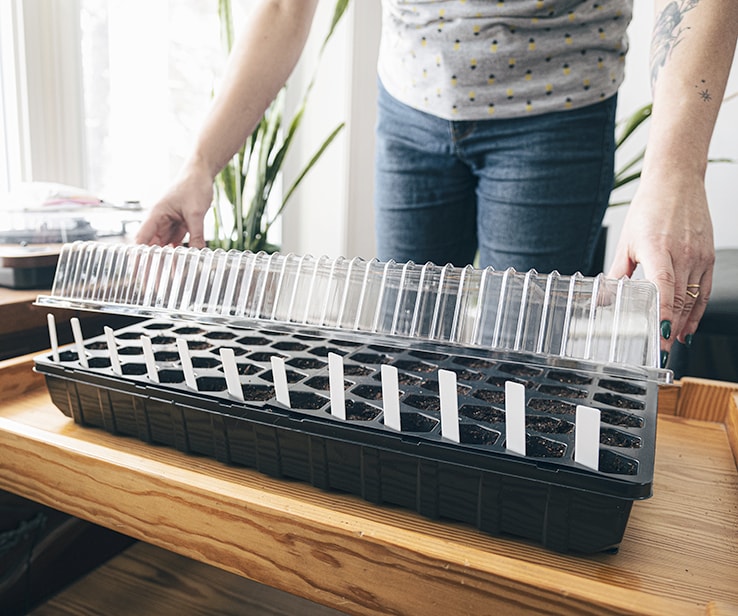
{"points": [[693, 294]]}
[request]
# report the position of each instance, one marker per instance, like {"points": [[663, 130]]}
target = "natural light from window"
{"points": [[149, 69]]}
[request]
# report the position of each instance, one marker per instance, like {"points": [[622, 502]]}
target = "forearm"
{"points": [[262, 59], [692, 50]]}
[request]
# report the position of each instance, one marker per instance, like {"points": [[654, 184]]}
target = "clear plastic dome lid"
{"points": [[594, 319]]}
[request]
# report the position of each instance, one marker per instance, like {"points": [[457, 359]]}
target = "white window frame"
{"points": [[15, 161], [54, 84], [43, 111]]}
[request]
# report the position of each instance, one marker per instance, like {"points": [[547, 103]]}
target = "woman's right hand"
{"points": [[180, 211]]}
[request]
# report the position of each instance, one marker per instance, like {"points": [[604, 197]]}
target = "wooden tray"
{"points": [[679, 554]]}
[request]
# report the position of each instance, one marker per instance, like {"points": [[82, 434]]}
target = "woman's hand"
{"points": [[180, 211], [668, 231]]}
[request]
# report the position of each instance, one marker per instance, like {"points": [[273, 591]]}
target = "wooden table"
{"points": [[679, 554]]}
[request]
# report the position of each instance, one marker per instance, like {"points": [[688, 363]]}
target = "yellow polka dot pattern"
{"points": [[477, 59]]}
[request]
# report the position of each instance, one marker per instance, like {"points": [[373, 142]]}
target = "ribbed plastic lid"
{"points": [[582, 318]]}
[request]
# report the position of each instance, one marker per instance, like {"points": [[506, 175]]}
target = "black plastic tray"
{"points": [[544, 496]]}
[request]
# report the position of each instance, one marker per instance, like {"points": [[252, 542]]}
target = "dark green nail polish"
{"points": [[688, 340], [664, 358], [666, 329]]}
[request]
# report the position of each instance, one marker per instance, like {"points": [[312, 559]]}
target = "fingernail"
{"points": [[664, 358], [666, 329], [688, 340]]}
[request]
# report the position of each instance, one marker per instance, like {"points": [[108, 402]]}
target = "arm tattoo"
{"points": [[704, 92], [668, 33]]}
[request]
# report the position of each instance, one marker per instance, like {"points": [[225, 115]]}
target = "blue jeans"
{"points": [[528, 193]]}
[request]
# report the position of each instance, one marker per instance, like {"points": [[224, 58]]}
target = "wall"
{"points": [[332, 213]]}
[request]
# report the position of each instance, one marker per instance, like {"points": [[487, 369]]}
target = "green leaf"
{"points": [[622, 181], [633, 122], [305, 171], [282, 152], [338, 12], [637, 159], [225, 16], [227, 179]]}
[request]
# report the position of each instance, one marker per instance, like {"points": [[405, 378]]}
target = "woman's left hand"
{"points": [[668, 231]]}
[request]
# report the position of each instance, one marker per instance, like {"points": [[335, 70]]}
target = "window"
{"points": [[104, 94], [108, 95], [13, 126], [148, 72]]}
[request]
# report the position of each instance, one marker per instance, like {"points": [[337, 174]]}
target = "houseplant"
{"points": [[244, 188]]}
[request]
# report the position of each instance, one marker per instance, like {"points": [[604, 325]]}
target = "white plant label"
{"points": [[228, 359], [335, 381], [79, 341], [112, 349], [149, 358], [391, 397], [52, 336], [279, 377], [587, 437], [449, 405], [515, 417], [186, 361]]}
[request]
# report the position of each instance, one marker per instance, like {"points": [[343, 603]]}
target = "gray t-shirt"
{"points": [[482, 59]]}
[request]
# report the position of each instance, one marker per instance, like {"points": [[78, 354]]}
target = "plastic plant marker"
{"points": [[515, 417], [148, 351], [186, 360], [449, 405], [391, 397], [52, 336], [335, 381], [279, 374], [79, 341], [228, 358], [587, 437], [113, 350]]}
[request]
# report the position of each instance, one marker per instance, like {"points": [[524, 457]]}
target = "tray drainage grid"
{"points": [[545, 495]]}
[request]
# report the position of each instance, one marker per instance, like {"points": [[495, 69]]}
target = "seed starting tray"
{"points": [[544, 495]]}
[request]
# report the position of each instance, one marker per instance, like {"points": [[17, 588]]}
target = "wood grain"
{"points": [[731, 425], [668, 399], [704, 399], [148, 580], [679, 555]]}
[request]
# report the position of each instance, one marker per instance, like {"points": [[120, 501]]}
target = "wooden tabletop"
{"points": [[679, 554]]}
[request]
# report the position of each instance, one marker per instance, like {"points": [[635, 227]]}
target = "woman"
{"points": [[495, 134]]}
